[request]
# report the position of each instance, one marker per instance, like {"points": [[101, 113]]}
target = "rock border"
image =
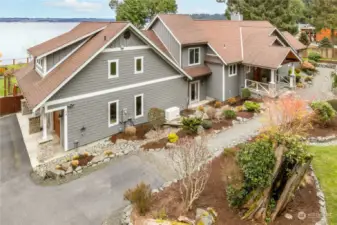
{"points": [[322, 202], [327, 139]]}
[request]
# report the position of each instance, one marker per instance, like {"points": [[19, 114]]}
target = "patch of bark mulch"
{"points": [[214, 196], [141, 130], [321, 131], [245, 114], [222, 124], [83, 161]]}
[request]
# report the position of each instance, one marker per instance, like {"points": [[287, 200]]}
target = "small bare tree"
{"points": [[190, 161]]}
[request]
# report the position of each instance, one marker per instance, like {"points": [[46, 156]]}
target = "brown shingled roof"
{"points": [[77, 32], [155, 40], [293, 41], [198, 71], [36, 89]]}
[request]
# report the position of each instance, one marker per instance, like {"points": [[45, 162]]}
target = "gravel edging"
{"points": [[322, 202], [319, 140]]}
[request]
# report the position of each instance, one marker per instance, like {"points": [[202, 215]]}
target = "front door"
{"points": [[56, 118], [194, 91]]}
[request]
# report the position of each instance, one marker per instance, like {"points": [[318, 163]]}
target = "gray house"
{"points": [[86, 84]]}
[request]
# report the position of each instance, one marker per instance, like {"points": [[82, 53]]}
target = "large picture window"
{"points": [[194, 56], [113, 68], [139, 106], [113, 113]]}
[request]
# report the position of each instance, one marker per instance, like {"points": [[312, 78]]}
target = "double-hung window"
{"points": [[113, 68], [233, 70], [139, 65], [113, 113], [193, 56], [139, 106]]}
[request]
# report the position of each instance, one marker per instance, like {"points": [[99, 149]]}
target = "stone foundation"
{"points": [[34, 124], [24, 107]]}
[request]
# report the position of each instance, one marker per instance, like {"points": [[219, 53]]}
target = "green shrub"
{"points": [[257, 162], [324, 111], [334, 79], [140, 197], [191, 124], [314, 63], [156, 117], [229, 114], [207, 124], [172, 137], [245, 93], [252, 106], [315, 56], [236, 196], [333, 103], [308, 79]]}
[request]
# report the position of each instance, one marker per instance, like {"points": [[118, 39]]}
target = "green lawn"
{"points": [[2, 85], [325, 167]]}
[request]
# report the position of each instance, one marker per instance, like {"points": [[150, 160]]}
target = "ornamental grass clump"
{"points": [[229, 114], [191, 124], [140, 197], [252, 106]]}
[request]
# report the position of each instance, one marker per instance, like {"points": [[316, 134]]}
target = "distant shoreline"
{"points": [[54, 20]]}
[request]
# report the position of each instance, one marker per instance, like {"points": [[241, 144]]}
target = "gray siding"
{"points": [[56, 57], [232, 84], [210, 51], [185, 57], [121, 41], [169, 41], [94, 77], [92, 113], [214, 82]]}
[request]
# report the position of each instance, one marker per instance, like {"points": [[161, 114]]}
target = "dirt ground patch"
{"points": [[222, 124], [319, 131], [141, 130], [214, 196], [246, 115]]}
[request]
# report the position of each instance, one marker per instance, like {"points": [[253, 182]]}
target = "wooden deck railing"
{"points": [[259, 87]]}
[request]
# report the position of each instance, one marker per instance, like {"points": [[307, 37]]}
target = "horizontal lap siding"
{"points": [[185, 56], [56, 57], [214, 82], [169, 41], [92, 113], [94, 77], [232, 83]]}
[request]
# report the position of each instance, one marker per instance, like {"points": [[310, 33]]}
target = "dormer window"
{"points": [[193, 56], [41, 66]]}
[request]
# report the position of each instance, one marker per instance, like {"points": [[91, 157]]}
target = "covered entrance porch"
{"points": [[272, 79]]}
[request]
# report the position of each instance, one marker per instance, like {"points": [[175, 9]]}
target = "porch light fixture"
{"points": [[83, 130], [61, 115]]}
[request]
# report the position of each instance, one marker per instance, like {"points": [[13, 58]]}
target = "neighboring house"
{"points": [[86, 84]]}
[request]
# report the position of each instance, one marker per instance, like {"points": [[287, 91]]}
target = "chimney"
{"points": [[236, 16]]}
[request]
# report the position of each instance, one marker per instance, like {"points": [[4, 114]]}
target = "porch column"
{"points": [[44, 125], [292, 76], [272, 84]]}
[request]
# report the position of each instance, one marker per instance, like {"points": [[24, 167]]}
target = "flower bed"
{"points": [[141, 131]]}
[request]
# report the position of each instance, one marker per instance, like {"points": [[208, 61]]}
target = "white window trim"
{"points": [[135, 64], [135, 106], [236, 70], [189, 51], [117, 68], [117, 113], [190, 91]]}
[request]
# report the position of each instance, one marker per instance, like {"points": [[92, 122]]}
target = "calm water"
{"points": [[16, 38]]}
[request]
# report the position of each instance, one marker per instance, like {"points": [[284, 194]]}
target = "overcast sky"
{"points": [[89, 8]]}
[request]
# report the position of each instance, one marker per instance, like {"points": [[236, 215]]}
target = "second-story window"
{"points": [[139, 65], [113, 68], [194, 56]]}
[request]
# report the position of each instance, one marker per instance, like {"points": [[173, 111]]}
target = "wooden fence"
{"points": [[10, 104], [328, 53]]}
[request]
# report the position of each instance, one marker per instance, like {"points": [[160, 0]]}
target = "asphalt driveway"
{"points": [[86, 201]]}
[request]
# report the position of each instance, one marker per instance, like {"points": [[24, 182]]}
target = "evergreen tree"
{"points": [[138, 12], [304, 39], [281, 13], [325, 43], [324, 15]]}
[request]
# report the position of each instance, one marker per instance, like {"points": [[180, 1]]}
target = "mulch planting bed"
{"points": [[222, 124], [239, 102], [187, 112], [83, 161], [141, 130], [214, 196], [244, 114], [319, 131]]}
